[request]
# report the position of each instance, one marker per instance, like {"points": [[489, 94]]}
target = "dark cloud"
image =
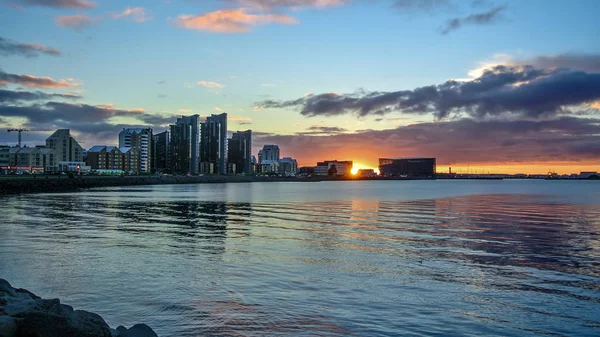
{"points": [[323, 130], [465, 140], [585, 62], [514, 91], [8, 96], [79, 4], [9, 47], [31, 81], [473, 19], [85, 118]]}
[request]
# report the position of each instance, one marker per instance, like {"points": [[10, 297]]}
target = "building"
{"points": [[160, 152], [114, 158], [306, 170], [239, 149], [97, 157], [184, 145], [587, 175], [407, 167], [140, 138], [66, 149], [34, 159], [366, 173], [268, 159], [131, 159], [288, 166], [213, 143], [334, 167]]}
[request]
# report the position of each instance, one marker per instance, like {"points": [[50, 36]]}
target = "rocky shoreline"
{"points": [[23, 314]]}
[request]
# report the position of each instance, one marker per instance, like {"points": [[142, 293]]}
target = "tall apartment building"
{"points": [[65, 147], [185, 145], [213, 143], [160, 152], [141, 139], [268, 159], [239, 149]]}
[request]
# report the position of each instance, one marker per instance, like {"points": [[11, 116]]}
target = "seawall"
{"points": [[41, 184]]}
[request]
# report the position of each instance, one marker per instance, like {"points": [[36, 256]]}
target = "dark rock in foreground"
{"points": [[23, 314]]}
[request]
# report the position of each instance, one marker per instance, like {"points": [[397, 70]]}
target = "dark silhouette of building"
{"points": [[185, 145], [161, 152], [407, 167], [239, 149], [213, 143]]}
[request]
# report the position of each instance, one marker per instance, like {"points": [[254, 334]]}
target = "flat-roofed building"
{"points": [[407, 167], [334, 167]]}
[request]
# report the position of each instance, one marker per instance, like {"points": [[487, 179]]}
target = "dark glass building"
{"points": [[184, 145], [161, 152], [239, 149], [213, 143], [407, 167]]}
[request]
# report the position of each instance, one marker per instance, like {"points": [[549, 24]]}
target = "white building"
{"points": [[268, 159], [65, 148], [288, 166]]}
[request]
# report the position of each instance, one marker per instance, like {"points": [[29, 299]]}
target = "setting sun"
{"points": [[358, 166]]}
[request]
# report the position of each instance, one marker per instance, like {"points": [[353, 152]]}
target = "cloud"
{"points": [[210, 85], [77, 21], [36, 82], [93, 121], [239, 118], [231, 21], [8, 96], [80, 4], [318, 130], [474, 19], [138, 14], [502, 91], [565, 139], [267, 85], [9, 47]]}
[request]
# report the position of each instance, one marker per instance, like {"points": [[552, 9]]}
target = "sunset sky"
{"points": [[483, 85]]}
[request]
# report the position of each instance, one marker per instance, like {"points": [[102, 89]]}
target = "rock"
{"points": [[138, 330], [8, 326], [23, 314]]}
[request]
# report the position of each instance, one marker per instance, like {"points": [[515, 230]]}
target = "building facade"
{"points": [[268, 159], [213, 143], [141, 139], [185, 145], [288, 166], [407, 167], [97, 157], [334, 167], [160, 152], [65, 147], [239, 149]]}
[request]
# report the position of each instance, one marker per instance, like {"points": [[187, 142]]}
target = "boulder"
{"points": [[23, 314], [138, 330]]}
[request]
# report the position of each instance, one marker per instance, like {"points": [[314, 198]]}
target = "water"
{"points": [[422, 258]]}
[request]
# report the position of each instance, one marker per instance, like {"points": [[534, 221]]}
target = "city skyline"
{"points": [[488, 86]]}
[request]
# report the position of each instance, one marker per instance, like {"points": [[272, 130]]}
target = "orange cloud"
{"points": [[138, 14], [595, 105], [31, 81], [77, 21], [211, 85], [231, 21], [294, 4]]}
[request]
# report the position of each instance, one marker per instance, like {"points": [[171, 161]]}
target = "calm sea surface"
{"points": [[422, 258]]}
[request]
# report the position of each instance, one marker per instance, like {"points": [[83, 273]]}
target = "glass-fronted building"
{"points": [[407, 167]]}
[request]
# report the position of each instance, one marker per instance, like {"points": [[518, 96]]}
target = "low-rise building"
{"points": [[407, 167], [334, 168], [288, 166]]}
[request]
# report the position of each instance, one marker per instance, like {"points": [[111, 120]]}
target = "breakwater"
{"points": [[43, 184]]}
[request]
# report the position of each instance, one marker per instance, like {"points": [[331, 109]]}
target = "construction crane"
{"points": [[19, 133]]}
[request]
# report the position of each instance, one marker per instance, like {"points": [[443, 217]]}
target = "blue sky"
{"points": [[331, 46]]}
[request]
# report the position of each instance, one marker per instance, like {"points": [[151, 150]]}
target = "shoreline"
{"points": [[55, 184]]}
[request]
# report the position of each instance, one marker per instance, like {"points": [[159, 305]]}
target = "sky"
{"points": [[482, 85]]}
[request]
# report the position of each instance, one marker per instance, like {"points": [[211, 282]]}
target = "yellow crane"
{"points": [[19, 131]]}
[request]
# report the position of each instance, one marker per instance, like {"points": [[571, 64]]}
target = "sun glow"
{"points": [[358, 166]]}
